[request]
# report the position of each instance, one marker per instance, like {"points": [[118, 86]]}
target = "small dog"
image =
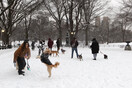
{"points": [[63, 51], [44, 59], [54, 52], [80, 57], [105, 56]]}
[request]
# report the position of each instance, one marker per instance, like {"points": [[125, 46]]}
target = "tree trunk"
{"points": [[71, 20], [6, 41], [86, 36], [60, 32], [8, 30]]}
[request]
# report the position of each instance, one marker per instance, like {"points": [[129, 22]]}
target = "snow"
{"points": [[114, 72]]}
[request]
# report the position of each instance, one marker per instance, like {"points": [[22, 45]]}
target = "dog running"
{"points": [[44, 59]]}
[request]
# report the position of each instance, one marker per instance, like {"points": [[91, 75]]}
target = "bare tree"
{"points": [[92, 8], [73, 15], [55, 8], [13, 13], [125, 17], [27, 24]]}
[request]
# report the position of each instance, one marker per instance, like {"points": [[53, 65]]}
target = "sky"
{"points": [[115, 5]]}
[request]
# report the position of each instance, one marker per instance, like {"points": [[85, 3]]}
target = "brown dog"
{"points": [[63, 51], [47, 62], [54, 52]]}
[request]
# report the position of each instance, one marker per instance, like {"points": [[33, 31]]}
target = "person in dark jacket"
{"points": [[33, 45], [50, 43], [95, 48], [74, 45], [58, 44]]}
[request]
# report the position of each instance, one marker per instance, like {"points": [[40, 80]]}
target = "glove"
{"points": [[14, 64]]}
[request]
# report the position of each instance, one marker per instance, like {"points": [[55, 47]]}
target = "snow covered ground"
{"points": [[114, 72]]}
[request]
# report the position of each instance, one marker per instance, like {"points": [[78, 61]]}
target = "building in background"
{"points": [[97, 21]]}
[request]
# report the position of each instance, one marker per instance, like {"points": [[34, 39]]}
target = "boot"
{"points": [[94, 59], [21, 73]]}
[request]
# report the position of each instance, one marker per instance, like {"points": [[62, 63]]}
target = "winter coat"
{"points": [[74, 43], [44, 58], [21, 54], [94, 47], [50, 43], [58, 42]]}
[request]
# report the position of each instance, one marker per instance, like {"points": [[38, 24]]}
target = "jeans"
{"points": [[74, 49]]}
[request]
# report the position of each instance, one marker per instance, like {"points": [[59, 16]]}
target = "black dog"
{"points": [[105, 56]]}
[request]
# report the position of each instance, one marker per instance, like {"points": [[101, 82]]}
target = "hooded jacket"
{"points": [[21, 53]]}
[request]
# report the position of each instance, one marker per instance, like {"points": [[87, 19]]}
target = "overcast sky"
{"points": [[115, 5]]}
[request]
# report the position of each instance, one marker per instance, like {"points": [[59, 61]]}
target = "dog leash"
{"points": [[28, 66], [105, 56], [101, 52]]}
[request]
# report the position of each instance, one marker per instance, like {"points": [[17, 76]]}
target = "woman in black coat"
{"points": [[95, 48]]}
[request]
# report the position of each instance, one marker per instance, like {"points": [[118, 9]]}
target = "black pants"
{"points": [[58, 48], [21, 64]]}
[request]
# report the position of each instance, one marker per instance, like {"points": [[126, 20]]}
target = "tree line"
{"points": [[41, 19]]}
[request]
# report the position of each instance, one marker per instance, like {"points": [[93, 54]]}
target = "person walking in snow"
{"points": [[74, 45], [41, 46], [22, 53], [50, 44], [33, 45], [94, 48], [58, 44]]}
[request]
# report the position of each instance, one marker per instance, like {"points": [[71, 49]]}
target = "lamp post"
{"points": [[67, 39], [72, 34], [2, 31]]}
